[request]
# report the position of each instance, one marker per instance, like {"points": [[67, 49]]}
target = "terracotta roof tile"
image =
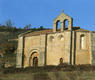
{"points": [[47, 31]]}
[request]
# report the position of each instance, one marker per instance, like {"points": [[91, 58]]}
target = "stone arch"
{"points": [[58, 25], [66, 23], [69, 23], [34, 56]]}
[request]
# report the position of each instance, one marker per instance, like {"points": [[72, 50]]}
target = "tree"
{"points": [[8, 56], [9, 24], [41, 28], [28, 26], [8, 48]]}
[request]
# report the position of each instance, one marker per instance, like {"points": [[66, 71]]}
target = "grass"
{"points": [[66, 72], [57, 75]]}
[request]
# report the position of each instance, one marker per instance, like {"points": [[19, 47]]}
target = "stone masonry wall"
{"points": [[83, 56], [93, 47], [58, 46], [32, 44]]}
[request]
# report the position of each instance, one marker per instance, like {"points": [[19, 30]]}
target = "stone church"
{"points": [[72, 45]]}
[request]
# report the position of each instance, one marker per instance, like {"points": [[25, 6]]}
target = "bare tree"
{"points": [[8, 24], [28, 26]]}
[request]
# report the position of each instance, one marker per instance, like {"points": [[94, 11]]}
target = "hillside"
{"points": [[7, 48], [6, 35]]}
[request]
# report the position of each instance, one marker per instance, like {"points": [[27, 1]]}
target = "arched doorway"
{"points": [[33, 61]]}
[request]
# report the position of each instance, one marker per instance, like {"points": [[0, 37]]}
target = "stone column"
{"points": [[54, 27], [19, 53], [70, 24], [62, 26]]}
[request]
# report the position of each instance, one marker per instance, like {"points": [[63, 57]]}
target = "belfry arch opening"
{"points": [[66, 23], [58, 25]]}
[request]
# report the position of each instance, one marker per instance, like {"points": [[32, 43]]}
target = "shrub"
{"points": [[64, 67]]}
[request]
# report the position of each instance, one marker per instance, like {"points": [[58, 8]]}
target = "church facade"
{"points": [[72, 45]]}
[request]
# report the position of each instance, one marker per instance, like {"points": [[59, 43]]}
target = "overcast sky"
{"points": [[42, 12]]}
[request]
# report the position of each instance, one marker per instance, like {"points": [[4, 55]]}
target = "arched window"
{"points": [[82, 42], [66, 23], [61, 37], [58, 25], [51, 38]]}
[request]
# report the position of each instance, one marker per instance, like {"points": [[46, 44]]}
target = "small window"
{"points": [[51, 38], [60, 37], [82, 42]]}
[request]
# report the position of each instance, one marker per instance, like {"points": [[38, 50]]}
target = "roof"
{"points": [[31, 33], [47, 31]]}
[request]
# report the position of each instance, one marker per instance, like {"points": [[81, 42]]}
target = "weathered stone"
{"points": [[49, 46]]}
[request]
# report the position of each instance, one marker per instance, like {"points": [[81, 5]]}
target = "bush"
{"points": [[64, 67], [67, 67]]}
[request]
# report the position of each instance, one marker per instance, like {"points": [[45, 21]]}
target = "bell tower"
{"points": [[62, 18]]}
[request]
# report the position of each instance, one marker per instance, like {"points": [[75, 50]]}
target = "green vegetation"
{"points": [[48, 73], [50, 76], [65, 72], [50, 68]]}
